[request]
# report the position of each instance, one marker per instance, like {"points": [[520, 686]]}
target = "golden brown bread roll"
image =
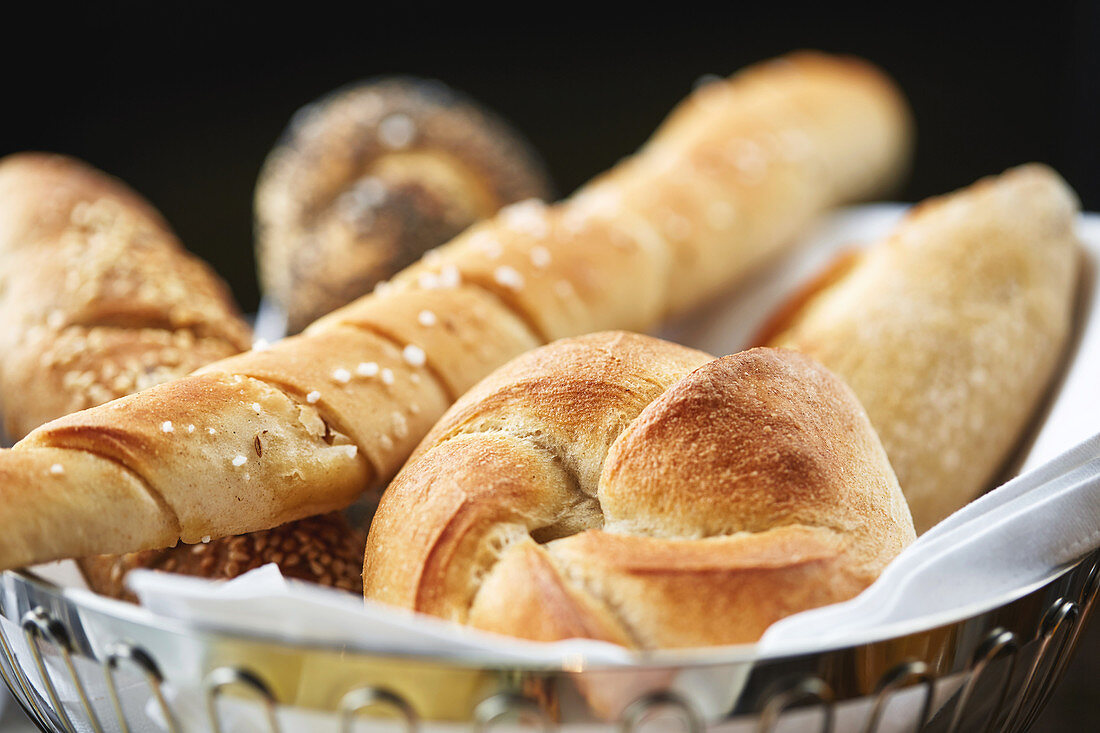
{"points": [[623, 488], [950, 330], [367, 179], [339, 408], [100, 300]]}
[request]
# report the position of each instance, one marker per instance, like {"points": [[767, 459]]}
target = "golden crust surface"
{"points": [[950, 330], [624, 488]]}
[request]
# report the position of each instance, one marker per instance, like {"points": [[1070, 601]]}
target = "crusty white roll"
{"points": [[950, 330], [309, 424], [627, 489]]}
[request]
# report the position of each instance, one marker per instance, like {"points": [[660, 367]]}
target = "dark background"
{"points": [[185, 103]]}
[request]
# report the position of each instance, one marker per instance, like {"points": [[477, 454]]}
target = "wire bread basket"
{"points": [[78, 663]]}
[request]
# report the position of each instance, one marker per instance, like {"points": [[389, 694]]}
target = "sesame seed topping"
{"points": [[367, 369], [414, 355], [387, 376], [261, 345], [57, 469], [206, 540], [240, 461], [383, 287], [428, 280], [341, 375], [167, 426], [313, 396], [540, 257], [488, 244], [426, 318], [509, 277]]}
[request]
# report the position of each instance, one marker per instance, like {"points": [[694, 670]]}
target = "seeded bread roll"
{"points": [[367, 179], [950, 330], [626, 489], [339, 408], [105, 303], [97, 296], [324, 550]]}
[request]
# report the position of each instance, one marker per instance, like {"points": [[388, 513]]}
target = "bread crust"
{"points": [[627, 489], [951, 329]]}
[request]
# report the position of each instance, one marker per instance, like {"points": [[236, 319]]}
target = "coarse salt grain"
{"points": [[351, 450], [509, 277], [167, 426], [190, 428], [212, 431], [387, 376], [239, 461], [426, 318], [367, 369], [540, 257], [343, 376], [256, 407], [449, 277], [261, 345], [414, 355], [57, 469], [313, 396], [206, 540], [396, 131]]}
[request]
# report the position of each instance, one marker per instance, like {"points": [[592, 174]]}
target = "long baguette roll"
{"points": [[309, 424], [950, 330]]}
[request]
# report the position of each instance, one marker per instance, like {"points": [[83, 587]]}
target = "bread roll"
{"points": [[99, 300], [950, 330], [367, 179], [627, 489], [338, 409]]}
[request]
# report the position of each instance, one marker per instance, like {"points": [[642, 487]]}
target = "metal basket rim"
{"points": [[653, 660]]}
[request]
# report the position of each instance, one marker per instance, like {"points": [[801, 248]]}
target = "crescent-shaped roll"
{"points": [[627, 489], [950, 330], [337, 409]]}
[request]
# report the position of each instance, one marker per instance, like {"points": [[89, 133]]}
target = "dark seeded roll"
{"points": [[367, 179], [325, 549]]}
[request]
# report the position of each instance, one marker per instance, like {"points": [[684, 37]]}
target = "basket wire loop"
{"points": [[39, 625], [138, 657], [369, 697], [893, 680], [805, 688], [1060, 617], [493, 710], [1089, 591], [637, 712], [24, 695], [997, 643], [222, 677]]}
